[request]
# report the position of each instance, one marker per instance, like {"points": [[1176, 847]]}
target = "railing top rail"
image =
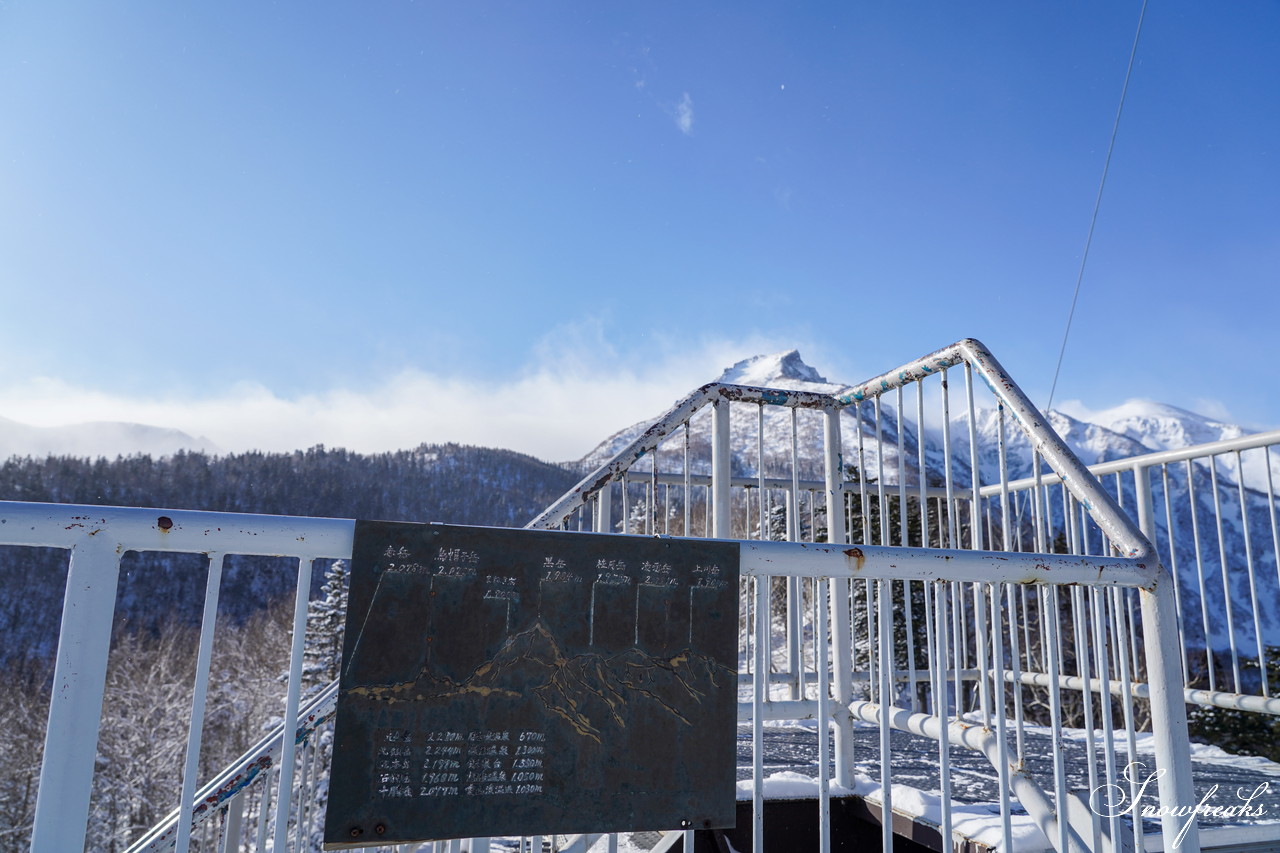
{"points": [[1117, 525], [890, 562], [1159, 457], [174, 530]]}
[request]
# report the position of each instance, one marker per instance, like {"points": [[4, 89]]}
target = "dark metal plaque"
{"points": [[518, 682]]}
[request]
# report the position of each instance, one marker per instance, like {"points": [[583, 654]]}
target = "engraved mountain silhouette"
{"points": [[594, 693]]}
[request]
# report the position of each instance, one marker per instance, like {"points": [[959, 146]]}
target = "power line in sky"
{"points": [[1093, 221]]}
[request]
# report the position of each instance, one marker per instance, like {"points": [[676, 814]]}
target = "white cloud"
{"points": [[1078, 410], [1213, 409], [684, 114], [576, 393]]}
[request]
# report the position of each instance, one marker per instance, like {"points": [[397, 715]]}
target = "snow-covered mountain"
{"points": [[92, 440], [1135, 428]]}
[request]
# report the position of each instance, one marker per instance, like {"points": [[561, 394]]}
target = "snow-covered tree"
{"points": [[322, 650]]}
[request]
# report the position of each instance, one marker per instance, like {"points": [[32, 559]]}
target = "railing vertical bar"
{"points": [[985, 672], [688, 487], [1172, 544], [793, 501], [288, 746], [1200, 573], [902, 490], [1226, 577], [882, 503], [1038, 507], [957, 649], [989, 514], [653, 488], [233, 827], [1023, 594], [199, 697], [720, 483], [904, 539], [863, 499], [1253, 583], [837, 533], [873, 639], [1080, 624], [1120, 622], [884, 599], [1002, 733], [923, 469], [758, 685], [264, 812], [1049, 608], [764, 516], [822, 640], [304, 794], [794, 602], [940, 656], [936, 706], [650, 507], [1011, 596], [975, 475], [1106, 712], [952, 528], [626, 504], [75, 703], [1037, 517]]}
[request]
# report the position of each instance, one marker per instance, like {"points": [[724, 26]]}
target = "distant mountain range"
{"points": [[1132, 429], [95, 439]]}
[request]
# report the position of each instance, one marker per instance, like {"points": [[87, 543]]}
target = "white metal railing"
{"points": [[992, 644], [1211, 511], [893, 603]]}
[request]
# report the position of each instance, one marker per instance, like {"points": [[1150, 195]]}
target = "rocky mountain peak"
{"points": [[780, 368]]}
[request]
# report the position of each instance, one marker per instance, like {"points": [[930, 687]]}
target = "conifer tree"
{"points": [[322, 650]]}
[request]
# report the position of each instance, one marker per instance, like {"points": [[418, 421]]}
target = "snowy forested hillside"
{"points": [[448, 483]]}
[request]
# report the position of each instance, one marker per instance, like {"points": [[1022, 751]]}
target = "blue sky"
{"points": [[528, 225]]}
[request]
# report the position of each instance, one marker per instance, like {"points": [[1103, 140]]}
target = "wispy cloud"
{"points": [[575, 393], [684, 114]]}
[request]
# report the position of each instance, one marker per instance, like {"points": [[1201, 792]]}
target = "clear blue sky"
{"points": [[358, 207]]}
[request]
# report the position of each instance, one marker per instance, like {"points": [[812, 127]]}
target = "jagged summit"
{"points": [[776, 370]]}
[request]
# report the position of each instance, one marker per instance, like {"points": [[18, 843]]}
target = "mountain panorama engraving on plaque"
{"points": [[516, 682]]}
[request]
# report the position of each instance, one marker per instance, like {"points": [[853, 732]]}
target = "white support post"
{"points": [[720, 469], [75, 706], [1168, 709], [604, 509], [839, 612]]}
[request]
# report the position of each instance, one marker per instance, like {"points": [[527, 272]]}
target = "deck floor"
{"points": [[1220, 780]]}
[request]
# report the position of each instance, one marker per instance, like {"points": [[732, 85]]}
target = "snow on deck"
{"points": [[790, 768]]}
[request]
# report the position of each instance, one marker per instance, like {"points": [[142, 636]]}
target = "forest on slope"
{"points": [[158, 607], [448, 483]]}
